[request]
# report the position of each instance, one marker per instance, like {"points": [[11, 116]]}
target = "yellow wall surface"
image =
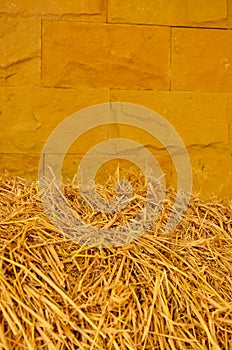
{"points": [[175, 57]]}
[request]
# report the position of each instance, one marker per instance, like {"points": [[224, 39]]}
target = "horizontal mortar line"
{"points": [[58, 19], [63, 87], [21, 153], [200, 27], [122, 89], [80, 14], [139, 24], [26, 87], [53, 17], [70, 20], [168, 25], [214, 145], [211, 144], [178, 91], [106, 23], [87, 87], [109, 88], [144, 89]]}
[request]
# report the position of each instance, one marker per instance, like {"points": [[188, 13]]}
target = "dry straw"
{"points": [[158, 292]]}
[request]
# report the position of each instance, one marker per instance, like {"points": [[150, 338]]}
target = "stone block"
{"points": [[97, 55], [210, 13], [20, 52], [29, 115], [88, 10], [212, 171], [20, 164], [199, 118], [201, 60]]}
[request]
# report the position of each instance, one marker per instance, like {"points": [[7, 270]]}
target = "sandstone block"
{"points": [[20, 52], [199, 118], [201, 60], [97, 55], [203, 122], [88, 10], [29, 115], [20, 164], [212, 171], [210, 13]]}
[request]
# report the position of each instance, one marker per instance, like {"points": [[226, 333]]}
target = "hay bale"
{"points": [[159, 292]]}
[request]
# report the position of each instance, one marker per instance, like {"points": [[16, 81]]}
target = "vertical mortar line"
{"points": [[115, 120], [228, 104], [41, 29], [43, 164], [107, 11], [228, 9], [170, 62], [110, 100]]}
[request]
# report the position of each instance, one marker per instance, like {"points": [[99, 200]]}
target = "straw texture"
{"points": [[158, 292]]}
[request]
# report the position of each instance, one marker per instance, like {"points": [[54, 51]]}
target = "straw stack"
{"points": [[159, 292]]}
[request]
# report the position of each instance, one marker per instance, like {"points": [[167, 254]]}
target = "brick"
{"points": [[98, 55], [201, 60], [210, 13], [20, 52], [20, 164], [199, 118], [88, 10], [29, 115]]}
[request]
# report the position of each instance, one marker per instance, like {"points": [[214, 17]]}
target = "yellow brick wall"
{"points": [[175, 57]]}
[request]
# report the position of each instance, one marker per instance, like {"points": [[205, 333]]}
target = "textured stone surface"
{"points": [[19, 52], [20, 164], [201, 60], [81, 61], [29, 115], [200, 118], [177, 12], [211, 167], [90, 10], [98, 55], [212, 171], [203, 121]]}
